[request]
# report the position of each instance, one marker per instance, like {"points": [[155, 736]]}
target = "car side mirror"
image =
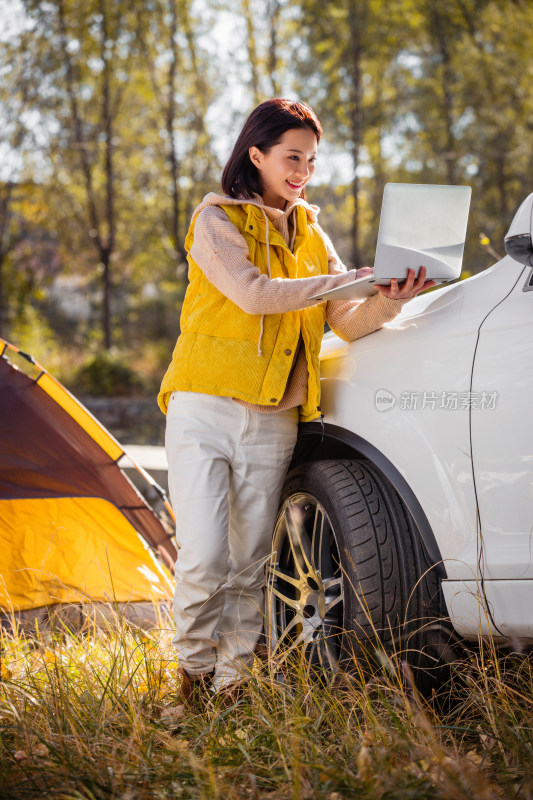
{"points": [[519, 239]]}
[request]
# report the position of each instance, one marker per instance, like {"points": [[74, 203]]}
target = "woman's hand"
{"points": [[363, 271], [409, 288]]}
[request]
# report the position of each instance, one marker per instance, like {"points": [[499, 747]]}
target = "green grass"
{"points": [[94, 715]]}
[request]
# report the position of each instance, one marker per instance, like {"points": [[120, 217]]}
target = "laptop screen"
{"points": [[422, 225]]}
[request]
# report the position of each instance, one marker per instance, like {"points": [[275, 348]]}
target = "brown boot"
{"points": [[194, 689], [261, 648]]}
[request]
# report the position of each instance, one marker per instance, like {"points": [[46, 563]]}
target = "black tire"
{"points": [[350, 580]]}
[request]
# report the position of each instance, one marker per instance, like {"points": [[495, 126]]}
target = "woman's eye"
{"points": [[297, 158]]}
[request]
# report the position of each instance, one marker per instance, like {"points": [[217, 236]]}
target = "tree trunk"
{"points": [[3, 309], [108, 247], [252, 50], [273, 15], [102, 227], [167, 104], [501, 177], [356, 22], [106, 305], [5, 202], [170, 124], [447, 76], [380, 177]]}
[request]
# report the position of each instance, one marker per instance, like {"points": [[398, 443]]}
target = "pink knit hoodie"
{"points": [[221, 252]]}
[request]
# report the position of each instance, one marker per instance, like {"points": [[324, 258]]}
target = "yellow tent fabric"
{"points": [[80, 414], [74, 530], [79, 549]]}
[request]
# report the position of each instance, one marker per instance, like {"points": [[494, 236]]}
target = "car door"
{"points": [[501, 401]]}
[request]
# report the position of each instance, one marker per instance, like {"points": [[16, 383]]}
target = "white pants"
{"points": [[226, 467]]}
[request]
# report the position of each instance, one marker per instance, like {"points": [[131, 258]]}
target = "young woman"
{"points": [[244, 371]]}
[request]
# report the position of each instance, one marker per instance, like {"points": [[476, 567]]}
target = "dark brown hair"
{"points": [[264, 128]]}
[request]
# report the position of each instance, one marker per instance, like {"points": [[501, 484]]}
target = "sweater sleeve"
{"points": [[352, 319], [221, 252]]}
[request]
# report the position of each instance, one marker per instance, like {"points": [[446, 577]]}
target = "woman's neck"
{"points": [[274, 202]]}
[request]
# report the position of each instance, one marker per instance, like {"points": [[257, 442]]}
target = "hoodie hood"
{"points": [[214, 199]]}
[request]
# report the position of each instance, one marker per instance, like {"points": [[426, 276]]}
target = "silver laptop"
{"points": [[421, 225]]}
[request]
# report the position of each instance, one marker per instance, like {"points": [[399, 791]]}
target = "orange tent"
{"points": [[74, 531]]}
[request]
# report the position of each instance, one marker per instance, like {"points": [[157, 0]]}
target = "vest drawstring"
{"points": [[293, 237], [259, 350]]}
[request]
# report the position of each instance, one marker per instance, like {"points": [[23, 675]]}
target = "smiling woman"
{"points": [[245, 370]]}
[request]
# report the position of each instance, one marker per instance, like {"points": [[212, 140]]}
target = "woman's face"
{"points": [[287, 166]]}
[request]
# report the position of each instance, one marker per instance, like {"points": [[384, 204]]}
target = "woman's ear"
{"points": [[256, 156]]}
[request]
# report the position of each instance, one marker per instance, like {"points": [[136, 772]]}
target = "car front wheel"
{"points": [[349, 583]]}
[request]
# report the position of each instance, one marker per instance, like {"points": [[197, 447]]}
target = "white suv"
{"points": [[413, 504]]}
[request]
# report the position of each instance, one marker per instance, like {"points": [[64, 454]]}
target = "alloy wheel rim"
{"points": [[304, 584]]}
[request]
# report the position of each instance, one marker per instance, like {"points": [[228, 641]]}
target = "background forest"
{"points": [[117, 116]]}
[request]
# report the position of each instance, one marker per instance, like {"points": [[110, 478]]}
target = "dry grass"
{"points": [[92, 716]]}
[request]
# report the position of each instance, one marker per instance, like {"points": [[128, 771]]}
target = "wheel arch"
{"points": [[317, 442]]}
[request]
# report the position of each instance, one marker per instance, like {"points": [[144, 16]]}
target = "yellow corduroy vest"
{"points": [[217, 350]]}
